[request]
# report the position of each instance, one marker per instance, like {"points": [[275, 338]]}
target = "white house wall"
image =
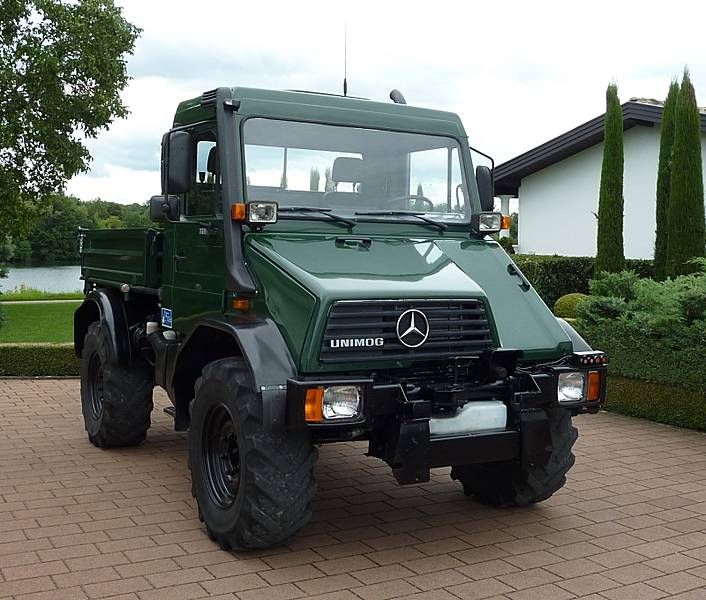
{"points": [[556, 204]]}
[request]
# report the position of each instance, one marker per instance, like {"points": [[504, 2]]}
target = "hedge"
{"points": [[657, 402], [37, 360], [674, 360], [555, 276]]}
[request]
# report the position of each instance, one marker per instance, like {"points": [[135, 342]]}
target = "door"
{"points": [[194, 262]]}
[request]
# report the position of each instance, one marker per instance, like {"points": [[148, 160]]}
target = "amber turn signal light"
{"points": [[314, 405], [506, 222], [594, 386], [237, 211], [240, 304]]}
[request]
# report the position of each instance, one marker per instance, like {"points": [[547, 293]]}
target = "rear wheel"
{"points": [[253, 488], [510, 484], [116, 402]]}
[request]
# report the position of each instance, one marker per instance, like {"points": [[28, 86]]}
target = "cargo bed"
{"points": [[112, 257]]}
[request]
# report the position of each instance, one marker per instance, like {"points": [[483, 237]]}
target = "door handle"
{"points": [[179, 257]]}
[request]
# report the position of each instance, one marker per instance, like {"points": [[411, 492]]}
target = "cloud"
{"points": [[518, 73]]}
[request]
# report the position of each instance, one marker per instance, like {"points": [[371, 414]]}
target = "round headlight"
{"points": [[571, 386]]}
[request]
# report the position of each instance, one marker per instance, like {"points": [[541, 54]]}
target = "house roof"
{"points": [[637, 111]]}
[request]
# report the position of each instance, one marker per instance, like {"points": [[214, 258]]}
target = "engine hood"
{"points": [[302, 274]]}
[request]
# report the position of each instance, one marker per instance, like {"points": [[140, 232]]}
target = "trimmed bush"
{"points": [[555, 276], [565, 306], [657, 402], [37, 360]]}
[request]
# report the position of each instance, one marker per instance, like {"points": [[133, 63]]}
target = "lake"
{"points": [[50, 279]]}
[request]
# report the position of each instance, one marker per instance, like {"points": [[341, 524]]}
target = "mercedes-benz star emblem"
{"points": [[412, 328]]}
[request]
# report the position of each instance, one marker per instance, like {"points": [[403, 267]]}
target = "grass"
{"points": [[38, 322], [27, 293]]}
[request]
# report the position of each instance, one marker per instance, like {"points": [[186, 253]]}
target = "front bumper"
{"points": [[395, 416]]}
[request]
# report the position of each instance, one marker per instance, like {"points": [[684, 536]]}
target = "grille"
{"points": [[456, 328]]}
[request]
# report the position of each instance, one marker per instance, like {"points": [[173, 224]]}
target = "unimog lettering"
{"points": [[357, 342], [281, 310]]}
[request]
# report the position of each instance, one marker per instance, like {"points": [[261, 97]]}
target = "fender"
{"points": [[580, 345], [262, 347], [107, 307]]}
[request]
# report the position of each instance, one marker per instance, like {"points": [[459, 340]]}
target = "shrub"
{"points": [[555, 276], [657, 402], [617, 285], [36, 360], [566, 305]]}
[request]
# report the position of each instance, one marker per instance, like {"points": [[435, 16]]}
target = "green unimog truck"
{"points": [[322, 271]]}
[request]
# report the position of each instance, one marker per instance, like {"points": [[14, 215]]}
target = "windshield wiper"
{"points": [[324, 211], [405, 213]]}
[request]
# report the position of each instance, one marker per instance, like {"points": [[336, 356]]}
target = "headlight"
{"points": [[261, 213], [487, 222], [571, 386], [341, 402]]}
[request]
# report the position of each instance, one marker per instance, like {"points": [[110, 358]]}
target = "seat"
{"points": [[346, 169]]}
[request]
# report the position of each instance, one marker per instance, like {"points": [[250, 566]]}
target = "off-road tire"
{"points": [[508, 484], [116, 402], [274, 472]]}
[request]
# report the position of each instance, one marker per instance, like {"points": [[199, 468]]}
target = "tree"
{"points": [[664, 171], [62, 67], [54, 239], [329, 185], [610, 256], [687, 235], [314, 179]]}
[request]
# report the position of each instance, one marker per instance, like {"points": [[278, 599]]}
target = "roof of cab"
{"points": [[326, 108]]}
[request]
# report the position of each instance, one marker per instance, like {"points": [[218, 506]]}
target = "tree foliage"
{"points": [[53, 238], [664, 171], [687, 236], [610, 256], [62, 67], [314, 179]]}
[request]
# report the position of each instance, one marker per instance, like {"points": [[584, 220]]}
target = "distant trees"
{"points": [[664, 171], [610, 255], [314, 179], [685, 215], [53, 238], [329, 186]]}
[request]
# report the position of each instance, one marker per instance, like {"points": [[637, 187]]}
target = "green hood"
{"points": [[303, 274]]}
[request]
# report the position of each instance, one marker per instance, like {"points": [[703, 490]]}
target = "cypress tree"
{"points": [[687, 235], [610, 256], [664, 171]]}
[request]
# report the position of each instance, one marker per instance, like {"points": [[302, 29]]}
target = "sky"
{"points": [[518, 73]]}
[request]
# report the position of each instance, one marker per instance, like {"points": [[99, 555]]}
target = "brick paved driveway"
{"points": [[78, 522]]}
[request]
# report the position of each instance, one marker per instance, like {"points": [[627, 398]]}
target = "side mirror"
{"points": [[484, 179], [179, 163], [164, 209]]}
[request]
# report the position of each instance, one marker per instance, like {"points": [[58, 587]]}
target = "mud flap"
{"points": [[409, 462], [536, 440]]}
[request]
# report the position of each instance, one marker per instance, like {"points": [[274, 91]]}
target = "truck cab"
{"points": [[323, 270]]}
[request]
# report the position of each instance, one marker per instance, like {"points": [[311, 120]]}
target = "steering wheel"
{"points": [[416, 197]]}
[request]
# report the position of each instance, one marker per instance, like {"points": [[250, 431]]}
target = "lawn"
{"points": [[32, 294], [38, 322]]}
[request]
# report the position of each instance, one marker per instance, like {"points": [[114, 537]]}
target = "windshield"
{"points": [[352, 171]]}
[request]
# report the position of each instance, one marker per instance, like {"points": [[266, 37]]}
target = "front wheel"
{"points": [[510, 484], [253, 488]]}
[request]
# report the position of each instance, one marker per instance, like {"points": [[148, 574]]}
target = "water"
{"points": [[50, 279]]}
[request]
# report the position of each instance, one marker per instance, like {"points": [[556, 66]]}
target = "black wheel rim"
{"points": [[95, 386], [221, 456]]}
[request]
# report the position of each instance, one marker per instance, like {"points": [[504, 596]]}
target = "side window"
{"points": [[436, 175], [204, 199]]}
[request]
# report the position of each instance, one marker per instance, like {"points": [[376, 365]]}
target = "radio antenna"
{"points": [[345, 59]]}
